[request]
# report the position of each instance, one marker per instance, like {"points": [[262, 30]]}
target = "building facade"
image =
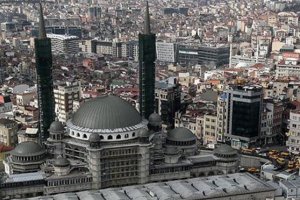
{"points": [[6, 104], [166, 52], [8, 132], [114, 149], [289, 65], [243, 115], [192, 54], [294, 132], [64, 44], [210, 128], [65, 95], [167, 100]]}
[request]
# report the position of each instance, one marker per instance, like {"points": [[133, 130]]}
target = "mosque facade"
{"points": [[107, 144]]}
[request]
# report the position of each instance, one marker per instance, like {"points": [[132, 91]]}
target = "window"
{"points": [[84, 136], [126, 135], [118, 136], [133, 134], [101, 137], [109, 137], [78, 135]]}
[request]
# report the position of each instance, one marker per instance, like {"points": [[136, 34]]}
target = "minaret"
{"points": [[147, 29], [42, 30], [147, 57], [43, 58]]}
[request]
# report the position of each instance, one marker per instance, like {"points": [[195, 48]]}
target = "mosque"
{"points": [[106, 144]]}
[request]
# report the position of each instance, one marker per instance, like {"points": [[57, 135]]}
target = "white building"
{"points": [[221, 119], [293, 142], [210, 128], [249, 61], [289, 65], [64, 44], [165, 51]]}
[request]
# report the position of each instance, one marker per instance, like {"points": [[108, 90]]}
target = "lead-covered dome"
{"points": [[155, 119], [94, 137], [61, 162], [106, 112], [28, 148], [181, 134], [225, 150], [56, 126]]}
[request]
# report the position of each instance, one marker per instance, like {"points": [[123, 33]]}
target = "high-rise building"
{"points": [[43, 58], [65, 94], [167, 100], [147, 56], [205, 54], [165, 52], [243, 115], [94, 12], [64, 44]]}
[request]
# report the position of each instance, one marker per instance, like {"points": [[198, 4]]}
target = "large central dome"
{"points": [[106, 112]]}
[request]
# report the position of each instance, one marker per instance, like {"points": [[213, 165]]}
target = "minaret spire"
{"points": [[42, 30], [147, 29]]}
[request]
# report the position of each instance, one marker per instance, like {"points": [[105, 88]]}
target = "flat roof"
{"points": [[61, 37], [195, 188], [33, 176]]}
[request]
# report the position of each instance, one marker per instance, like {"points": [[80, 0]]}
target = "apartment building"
{"points": [[65, 94], [64, 44]]}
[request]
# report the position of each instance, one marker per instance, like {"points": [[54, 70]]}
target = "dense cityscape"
{"points": [[158, 100]]}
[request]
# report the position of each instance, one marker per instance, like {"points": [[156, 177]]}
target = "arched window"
{"points": [[78, 135], [126, 135], [72, 133], [118, 136], [101, 137], [133, 134], [84, 136], [109, 137]]}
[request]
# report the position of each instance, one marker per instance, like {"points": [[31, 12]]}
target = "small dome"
{"points": [[224, 149], [172, 150], [155, 119], [28, 148], [181, 135], [144, 133], [61, 162], [94, 137], [56, 126]]}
